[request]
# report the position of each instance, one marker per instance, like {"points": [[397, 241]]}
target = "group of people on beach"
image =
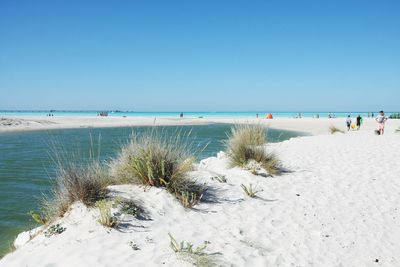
{"points": [[380, 119], [268, 116], [349, 123]]}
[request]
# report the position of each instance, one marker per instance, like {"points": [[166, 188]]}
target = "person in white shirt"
{"points": [[381, 119], [348, 123]]}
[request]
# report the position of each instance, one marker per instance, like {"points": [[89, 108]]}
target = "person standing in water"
{"points": [[358, 122], [381, 119], [348, 123]]}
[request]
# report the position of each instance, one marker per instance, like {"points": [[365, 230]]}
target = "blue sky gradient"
{"points": [[200, 55]]}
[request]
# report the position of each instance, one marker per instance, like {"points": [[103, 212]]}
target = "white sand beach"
{"points": [[309, 125], [338, 204]]}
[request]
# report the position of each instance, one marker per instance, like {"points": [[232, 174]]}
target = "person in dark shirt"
{"points": [[359, 120]]}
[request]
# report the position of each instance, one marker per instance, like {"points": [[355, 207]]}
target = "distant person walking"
{"points": [[358, 121], [381, 119], [348, 123]]}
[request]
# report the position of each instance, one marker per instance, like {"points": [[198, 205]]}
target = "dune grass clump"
{"points": [[160, 160], [85, 182], [333, 129], [245, 146]]}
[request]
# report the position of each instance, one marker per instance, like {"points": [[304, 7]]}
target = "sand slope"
{"points": [[338, 205]]}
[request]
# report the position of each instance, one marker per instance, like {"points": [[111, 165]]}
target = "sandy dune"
{"points": [[338, 205]]}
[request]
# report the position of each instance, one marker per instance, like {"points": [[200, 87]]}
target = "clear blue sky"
{"points": [[200, 55]]}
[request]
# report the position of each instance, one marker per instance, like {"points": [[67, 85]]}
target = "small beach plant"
{"points": [[333, 129], [133, 245], [251, 190], [134, 209], [157, 159], [54, 230], [188, 199], [106, 217], [246, 144], [219, 178], [186, 247], [38, 217], [130, 207], [253, 166], [196, 255]]}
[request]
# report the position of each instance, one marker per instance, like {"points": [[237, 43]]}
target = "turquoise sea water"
{"points": [[188, 114], [27, 169]]}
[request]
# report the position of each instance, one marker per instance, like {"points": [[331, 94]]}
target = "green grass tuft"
{"points": [[245, 144], [156, 159]]}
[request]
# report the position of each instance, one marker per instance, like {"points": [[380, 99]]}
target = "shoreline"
{"points": [[313, 126]]}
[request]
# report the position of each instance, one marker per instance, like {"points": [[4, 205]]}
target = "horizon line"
{"points": [[142, 111]]}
